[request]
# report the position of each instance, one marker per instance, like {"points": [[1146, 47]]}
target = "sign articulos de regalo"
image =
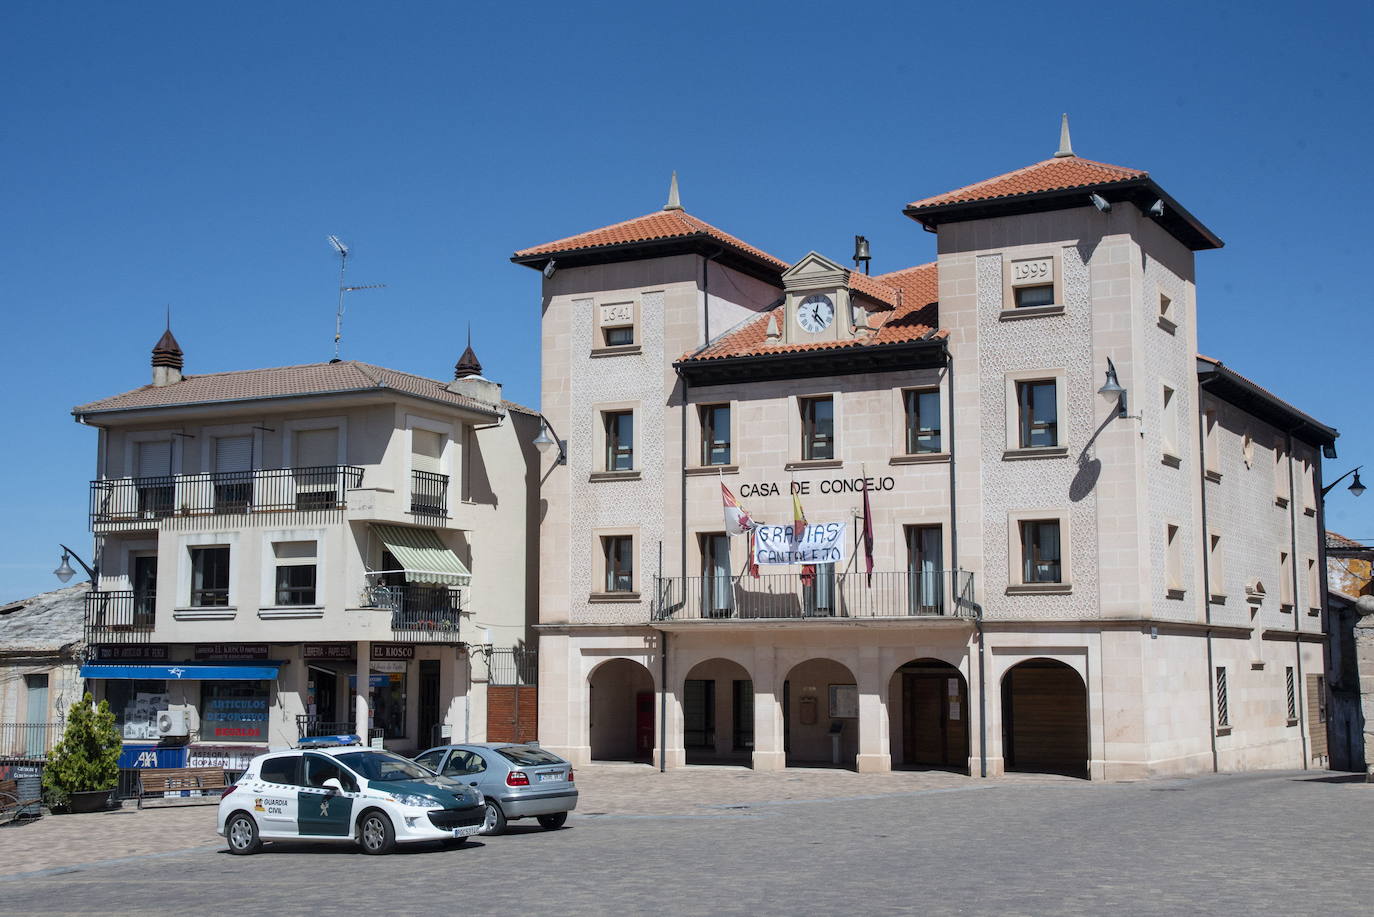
{"points": [[818, 544]]}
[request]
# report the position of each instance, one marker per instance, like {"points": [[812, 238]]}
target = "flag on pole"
{"points": [[753, 560], [868, 536], [737, 519], [798, 518]]}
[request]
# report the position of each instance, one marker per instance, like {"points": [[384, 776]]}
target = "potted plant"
{"points": [[83, 769]]}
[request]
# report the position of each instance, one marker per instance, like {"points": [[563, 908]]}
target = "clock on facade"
{"points": [[815, 313]]}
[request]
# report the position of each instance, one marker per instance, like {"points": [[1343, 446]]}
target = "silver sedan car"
{"points": [[518, 781]]}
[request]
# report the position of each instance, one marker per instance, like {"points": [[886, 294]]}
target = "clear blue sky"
{"points": [[198, 155]]}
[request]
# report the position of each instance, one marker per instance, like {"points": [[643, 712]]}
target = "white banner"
{"points": [[818, 544]]}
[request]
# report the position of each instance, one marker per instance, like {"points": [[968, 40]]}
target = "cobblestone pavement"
{"points": [[723, 841]]}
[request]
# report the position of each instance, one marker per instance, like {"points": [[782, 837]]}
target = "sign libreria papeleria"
{"points": [[818, 544], [827, 486]]}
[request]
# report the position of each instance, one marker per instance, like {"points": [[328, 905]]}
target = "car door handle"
{"points": [[473, 783]]}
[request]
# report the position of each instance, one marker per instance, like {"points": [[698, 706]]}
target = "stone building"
{"points": [[40, 658], [1066, 576]]}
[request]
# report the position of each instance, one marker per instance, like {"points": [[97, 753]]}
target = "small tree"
{"points": [[87, 756]]}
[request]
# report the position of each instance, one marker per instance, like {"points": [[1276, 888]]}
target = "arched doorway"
{"points": [[820, 714], [620, 711], [718, 713], [1045, 718], [929, 715]]}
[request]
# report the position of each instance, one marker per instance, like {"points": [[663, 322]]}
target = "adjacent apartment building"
{"points": [[1094, 551], [308, 549]]}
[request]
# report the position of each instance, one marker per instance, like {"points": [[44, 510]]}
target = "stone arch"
{"points": [[621, 711], [1045, 718], [928, 709], [808, 724], [718, 713]]}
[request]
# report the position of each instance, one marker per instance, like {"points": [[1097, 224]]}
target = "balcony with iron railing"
{"points": [[419, 612], [28, 741], [938, 594], [141, 503], [119, 616], [428, 494]]}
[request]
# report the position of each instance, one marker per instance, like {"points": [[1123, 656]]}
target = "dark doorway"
{"points": [[428, 710], [699, 714], [644, 726], [326, 694], [1045, 718], [145, 588], [934, 715]]}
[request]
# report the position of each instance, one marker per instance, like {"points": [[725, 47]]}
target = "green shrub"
{"points": [[87, 756]]}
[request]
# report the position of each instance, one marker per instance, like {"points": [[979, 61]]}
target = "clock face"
{"points": [[815, 313]]}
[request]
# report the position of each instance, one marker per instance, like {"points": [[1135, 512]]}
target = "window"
{"points": [[281, 770], [1285, 582], [1210, 445], [742, 714], [922, 420], [1280, 475], [619, 337], [616, 321], [1040, 551], [153, 465], [620, 444], [295, 572], [1292, 696], [210, 577], [316, 469], [233, 480], [1042, 295], [1166, 309], [699, 713], [1216, 575], [818, 428], [463, 763], [715, 434], [1173, 561], [619, 557], [430, 759], [717, 588], [233, 711], [1247, 450], [1314, 595], [1168, 423], [135, 705], [1038, 414], [925, 569], [818, 590], [145, 588], [1223, 711], [318, 769]]}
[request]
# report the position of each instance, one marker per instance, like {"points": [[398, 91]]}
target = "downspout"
{"points": [[1207, 580], [1293, 568]]}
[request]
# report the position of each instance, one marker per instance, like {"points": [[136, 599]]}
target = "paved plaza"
{"points": [[725, 841]]}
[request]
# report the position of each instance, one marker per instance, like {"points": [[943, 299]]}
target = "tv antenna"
{"points": [[342, 249]]}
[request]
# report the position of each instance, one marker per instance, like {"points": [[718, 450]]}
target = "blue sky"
{"points": [[197, 156]]}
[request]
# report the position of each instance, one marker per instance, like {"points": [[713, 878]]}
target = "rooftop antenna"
{"points": [[342, 249]]}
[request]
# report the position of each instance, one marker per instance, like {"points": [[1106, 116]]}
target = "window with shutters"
{"points": [[295, 573], [233, 473], [153, 470], [428, 484], [315, 469], [1223, 702], [1291, 688]]}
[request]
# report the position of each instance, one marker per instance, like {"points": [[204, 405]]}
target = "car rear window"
{"points": [[528, 756]]}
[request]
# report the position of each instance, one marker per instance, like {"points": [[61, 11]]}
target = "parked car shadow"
{"points": [[421, 848]]}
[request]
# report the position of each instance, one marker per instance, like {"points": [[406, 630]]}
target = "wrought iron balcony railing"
{"points": [[32, 741], [789, 596], [144, 502], [119, 616], [420, 611], [428, 494]]}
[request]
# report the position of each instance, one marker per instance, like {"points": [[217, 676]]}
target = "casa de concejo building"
{"points": [[1094, 550]]}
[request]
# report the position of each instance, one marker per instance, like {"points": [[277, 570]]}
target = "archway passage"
{"points": [[1045, 718], [621, 711], [928, 700], [718, 713], [820, 715]]}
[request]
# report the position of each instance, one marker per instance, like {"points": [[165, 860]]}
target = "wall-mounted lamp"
{"points": [[549, 269], [1355, 487], [543, 442], [1156, 209], [64, 571], [1113, 387], [1100, 202]]}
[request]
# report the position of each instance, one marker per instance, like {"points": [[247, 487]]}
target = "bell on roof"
{"points": [[1065, 146], [168, 360], [674, 201]]}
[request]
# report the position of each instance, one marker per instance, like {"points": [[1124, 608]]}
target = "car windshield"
{"points": [[384, 766], [528, 755]]}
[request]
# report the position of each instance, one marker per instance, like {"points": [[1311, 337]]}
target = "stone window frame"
{"points": [[1010, 311], [794, 430], [696, 431], [599, 472], [600, 347], [1216, 567], [1014, 450], [1169, 429], [267, 572], [599, 593], [1175, 586], [1016, 584]]}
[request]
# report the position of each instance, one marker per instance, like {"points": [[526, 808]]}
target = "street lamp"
{"points": [[1113, 387], [64, 571], [1355, 487], [543, 442]]}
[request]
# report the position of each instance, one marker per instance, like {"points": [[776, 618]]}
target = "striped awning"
{"points": [[423, 557]]}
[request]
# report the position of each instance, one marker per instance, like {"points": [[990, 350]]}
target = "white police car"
{"points": [[333, 788]]}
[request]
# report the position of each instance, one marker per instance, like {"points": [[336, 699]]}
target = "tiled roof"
{"points": [[282, 382], [51, 621], [661, 224], [1051, 175], [912, 320], [874, 288], [1338, 542]]}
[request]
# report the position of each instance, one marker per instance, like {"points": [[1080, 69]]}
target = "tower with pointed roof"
{"points": [[168, 360]]}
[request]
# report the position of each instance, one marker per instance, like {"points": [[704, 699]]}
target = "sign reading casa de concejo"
{"points": [[818, 544]]}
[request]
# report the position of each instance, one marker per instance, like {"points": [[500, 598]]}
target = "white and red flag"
{"points": [[737, 519]]}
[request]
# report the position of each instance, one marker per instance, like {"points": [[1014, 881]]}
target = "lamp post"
{"points": [[543, 442], [1355, 487], [64, 571]]}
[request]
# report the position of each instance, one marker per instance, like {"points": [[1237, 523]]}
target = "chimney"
{"points": [[167, 360], [468, 379]]}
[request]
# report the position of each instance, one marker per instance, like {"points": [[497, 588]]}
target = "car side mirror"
{"points": [[333, 785]]}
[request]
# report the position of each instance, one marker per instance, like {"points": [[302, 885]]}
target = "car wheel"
{"points": [[376, 834], [554, 821], [496, 819], [242, 833]]}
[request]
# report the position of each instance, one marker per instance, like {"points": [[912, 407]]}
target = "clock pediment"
{"points": [[813, 272]]}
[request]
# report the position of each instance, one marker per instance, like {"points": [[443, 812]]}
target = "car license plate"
{"points": [[546, 777], [469, 831]]}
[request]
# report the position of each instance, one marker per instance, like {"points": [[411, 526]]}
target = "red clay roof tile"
{"points": [[1050, 175], [661, 224]]}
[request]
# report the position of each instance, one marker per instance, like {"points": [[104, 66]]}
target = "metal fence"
{"points": [[310, 726], [514, 666], [28, 741], [119, 616], [143, 502], [420, 612], [428, 494], [940, 593]]}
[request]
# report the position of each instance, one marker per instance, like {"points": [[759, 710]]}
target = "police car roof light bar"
{"points": [[328, 741]]}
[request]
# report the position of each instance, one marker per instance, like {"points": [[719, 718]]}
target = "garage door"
{"points": [[1045, 712]]}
